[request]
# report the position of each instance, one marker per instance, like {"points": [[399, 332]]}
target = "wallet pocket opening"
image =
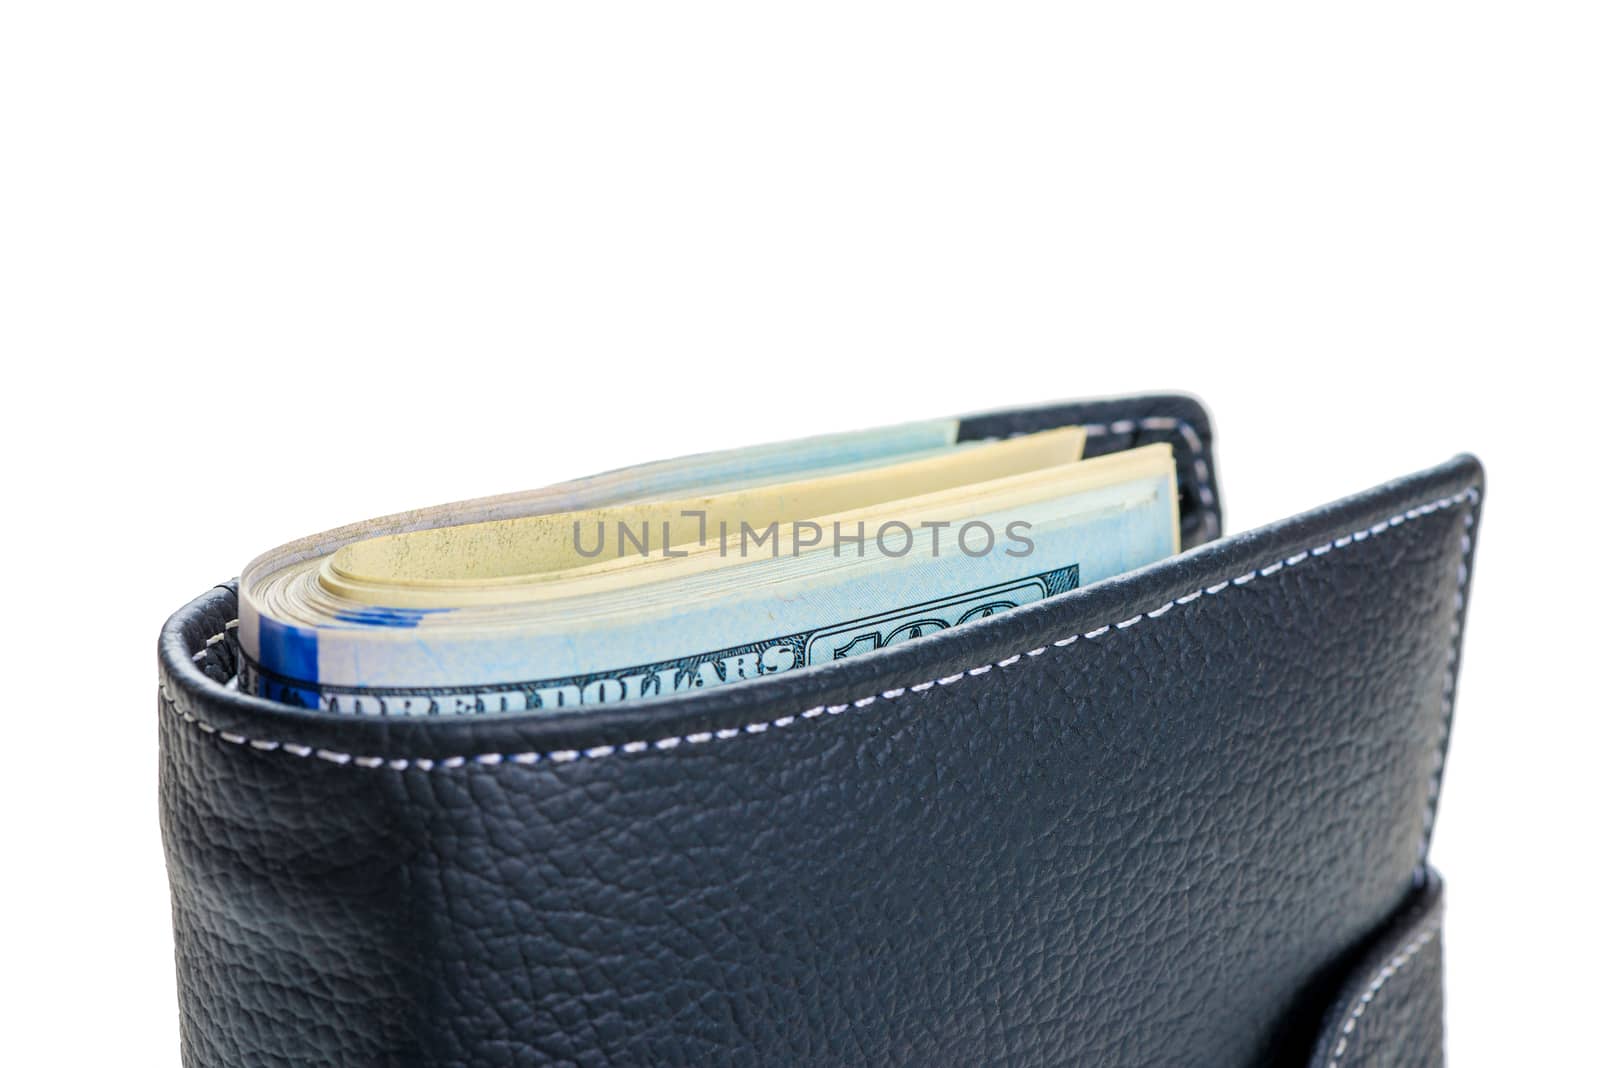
{"points": [[1110, 427]]}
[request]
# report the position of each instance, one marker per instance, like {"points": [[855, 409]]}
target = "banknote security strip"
{"points": [[706, 571]]}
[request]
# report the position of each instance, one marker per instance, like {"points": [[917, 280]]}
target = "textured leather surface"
{"points": [[1390, 1013], [1152, 821]]}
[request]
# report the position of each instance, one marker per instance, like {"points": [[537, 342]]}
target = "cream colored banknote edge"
{"points": [[546, 547], [948, 506]]}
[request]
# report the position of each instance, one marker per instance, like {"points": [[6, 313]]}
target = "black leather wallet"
{"points": [[1176, 817]]}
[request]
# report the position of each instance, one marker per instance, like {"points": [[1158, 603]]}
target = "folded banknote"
{"points": [[707, 571]]}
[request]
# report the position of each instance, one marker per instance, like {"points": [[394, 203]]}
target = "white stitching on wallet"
{"points": [[1448, 700], [1387, 972], [701, 738]]}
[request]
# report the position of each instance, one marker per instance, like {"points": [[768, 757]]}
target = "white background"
{"points": [[269, 268]]}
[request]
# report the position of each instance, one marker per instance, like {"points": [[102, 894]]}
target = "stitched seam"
{"points": [[1448, 700], [1387, 972], [566, 756], [1191, 437]]}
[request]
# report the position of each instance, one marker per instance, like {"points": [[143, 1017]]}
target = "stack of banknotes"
{"points": [[700, 572]]}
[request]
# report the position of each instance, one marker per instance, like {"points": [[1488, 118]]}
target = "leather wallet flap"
{"points": [[1143, 822]]}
